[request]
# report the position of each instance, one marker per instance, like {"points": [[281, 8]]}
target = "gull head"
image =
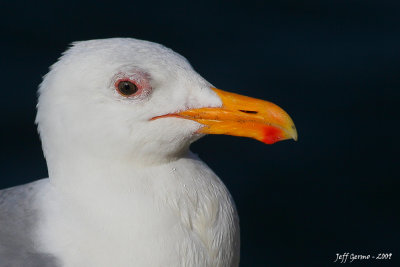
{"points": [[123, 98]]}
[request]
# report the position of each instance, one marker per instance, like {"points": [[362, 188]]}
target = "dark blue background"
{"points": [[332, 65]]}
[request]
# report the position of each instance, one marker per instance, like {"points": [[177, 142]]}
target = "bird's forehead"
{"points": [[101, 60], [125, 52]]}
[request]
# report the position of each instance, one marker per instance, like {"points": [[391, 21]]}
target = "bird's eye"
{"points": [[127, 88]]}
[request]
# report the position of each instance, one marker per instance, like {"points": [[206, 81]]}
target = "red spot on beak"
{"points": [[272, 135]]}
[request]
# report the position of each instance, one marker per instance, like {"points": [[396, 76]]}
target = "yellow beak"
{"points": [[243, 116]]}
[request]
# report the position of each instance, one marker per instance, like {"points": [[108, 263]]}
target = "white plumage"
{"points": [[125, 191], [116, 118]]}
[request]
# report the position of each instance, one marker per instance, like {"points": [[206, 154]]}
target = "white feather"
{"points": [[126, 191]]}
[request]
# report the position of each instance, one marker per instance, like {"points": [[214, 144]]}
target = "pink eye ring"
{"points": [[126, 88], [132, 85]]}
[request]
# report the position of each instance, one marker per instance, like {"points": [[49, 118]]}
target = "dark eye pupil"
{"points": [[127, 88]]}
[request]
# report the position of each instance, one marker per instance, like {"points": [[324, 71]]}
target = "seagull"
{"points": [[116, 118]]}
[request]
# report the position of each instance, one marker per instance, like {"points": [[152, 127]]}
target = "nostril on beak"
{"points": [[249, 111]]}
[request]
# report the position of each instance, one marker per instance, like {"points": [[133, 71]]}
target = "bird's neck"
{"points": [[108, 177], [139, 209], [99, 190]]}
